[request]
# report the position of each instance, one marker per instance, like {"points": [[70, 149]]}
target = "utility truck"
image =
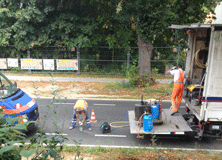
{"points": [[202, 89], [16, 103]]}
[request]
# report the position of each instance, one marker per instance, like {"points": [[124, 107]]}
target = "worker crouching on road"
{"points": [[81, 106], [177, 93]]}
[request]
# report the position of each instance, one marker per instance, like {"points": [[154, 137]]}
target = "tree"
{"points": [[40, 23], [152, 18], [53, 22]]}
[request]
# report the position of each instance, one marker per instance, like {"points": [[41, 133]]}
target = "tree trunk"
{"points": [[145, 52]]}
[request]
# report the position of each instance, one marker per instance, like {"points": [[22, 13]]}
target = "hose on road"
{"points": [[126, 124]]}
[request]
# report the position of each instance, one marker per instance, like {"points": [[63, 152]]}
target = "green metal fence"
{"points": [[96, 60]]}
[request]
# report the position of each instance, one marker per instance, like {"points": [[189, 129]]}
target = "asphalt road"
{"points": [[56, 114]]}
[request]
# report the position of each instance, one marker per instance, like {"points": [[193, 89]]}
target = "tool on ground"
{"points": [[105, 128], [81, 127]]}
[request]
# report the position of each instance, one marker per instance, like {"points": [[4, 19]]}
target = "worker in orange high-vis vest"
{"points": [[177, 93], [81, 106]]}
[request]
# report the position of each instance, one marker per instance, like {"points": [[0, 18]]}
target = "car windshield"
{"points": [[7, 88]]}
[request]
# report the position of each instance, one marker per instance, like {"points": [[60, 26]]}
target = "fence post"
{"points": [[78, 59], [28, 55], [128, 59]]}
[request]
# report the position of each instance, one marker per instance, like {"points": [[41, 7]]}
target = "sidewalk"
{"points": [[62, 79]]}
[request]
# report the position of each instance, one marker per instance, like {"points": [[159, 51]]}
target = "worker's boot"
{"points": [[90, 128], [174, 113], [72, 127], [174, 109]]}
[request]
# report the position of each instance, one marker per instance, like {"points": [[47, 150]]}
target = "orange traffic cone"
{"points": [[93, 117]]}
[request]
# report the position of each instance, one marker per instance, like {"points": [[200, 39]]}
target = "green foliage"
{"points": [[132, 73], [155, 73], [60, 23], [119, 85], [162, 90], [117, 24], [126, 85], [45, 147], [27, 153], [77, 148], [182, 58], [96, 150], [153, 140], [152, 18], [15, 69], [138, 81], [9, 136]]}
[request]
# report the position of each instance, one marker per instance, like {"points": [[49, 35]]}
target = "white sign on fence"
{"points": [[67, 64], [48, 64], [31, 64], [3, 64], [12, 62]]}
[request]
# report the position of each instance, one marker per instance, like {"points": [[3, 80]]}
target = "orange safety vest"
{"points": [[180, 79]]}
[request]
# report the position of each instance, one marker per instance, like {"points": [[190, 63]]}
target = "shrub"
{"points": [[138, 81], [9, 135]]}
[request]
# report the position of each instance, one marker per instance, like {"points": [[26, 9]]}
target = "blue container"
{"points": [[147, 123], [155, 112]]}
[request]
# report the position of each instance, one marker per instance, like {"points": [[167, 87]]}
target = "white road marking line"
{"points": [[64, 103], [104, 104], [104, 135], [54, 134]]}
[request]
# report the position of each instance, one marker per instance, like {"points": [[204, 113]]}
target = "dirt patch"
{"points": [[63, 89], [90, 90], [71, 156]]}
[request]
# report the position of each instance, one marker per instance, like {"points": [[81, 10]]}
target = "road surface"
{"points": [[60, 111]]}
